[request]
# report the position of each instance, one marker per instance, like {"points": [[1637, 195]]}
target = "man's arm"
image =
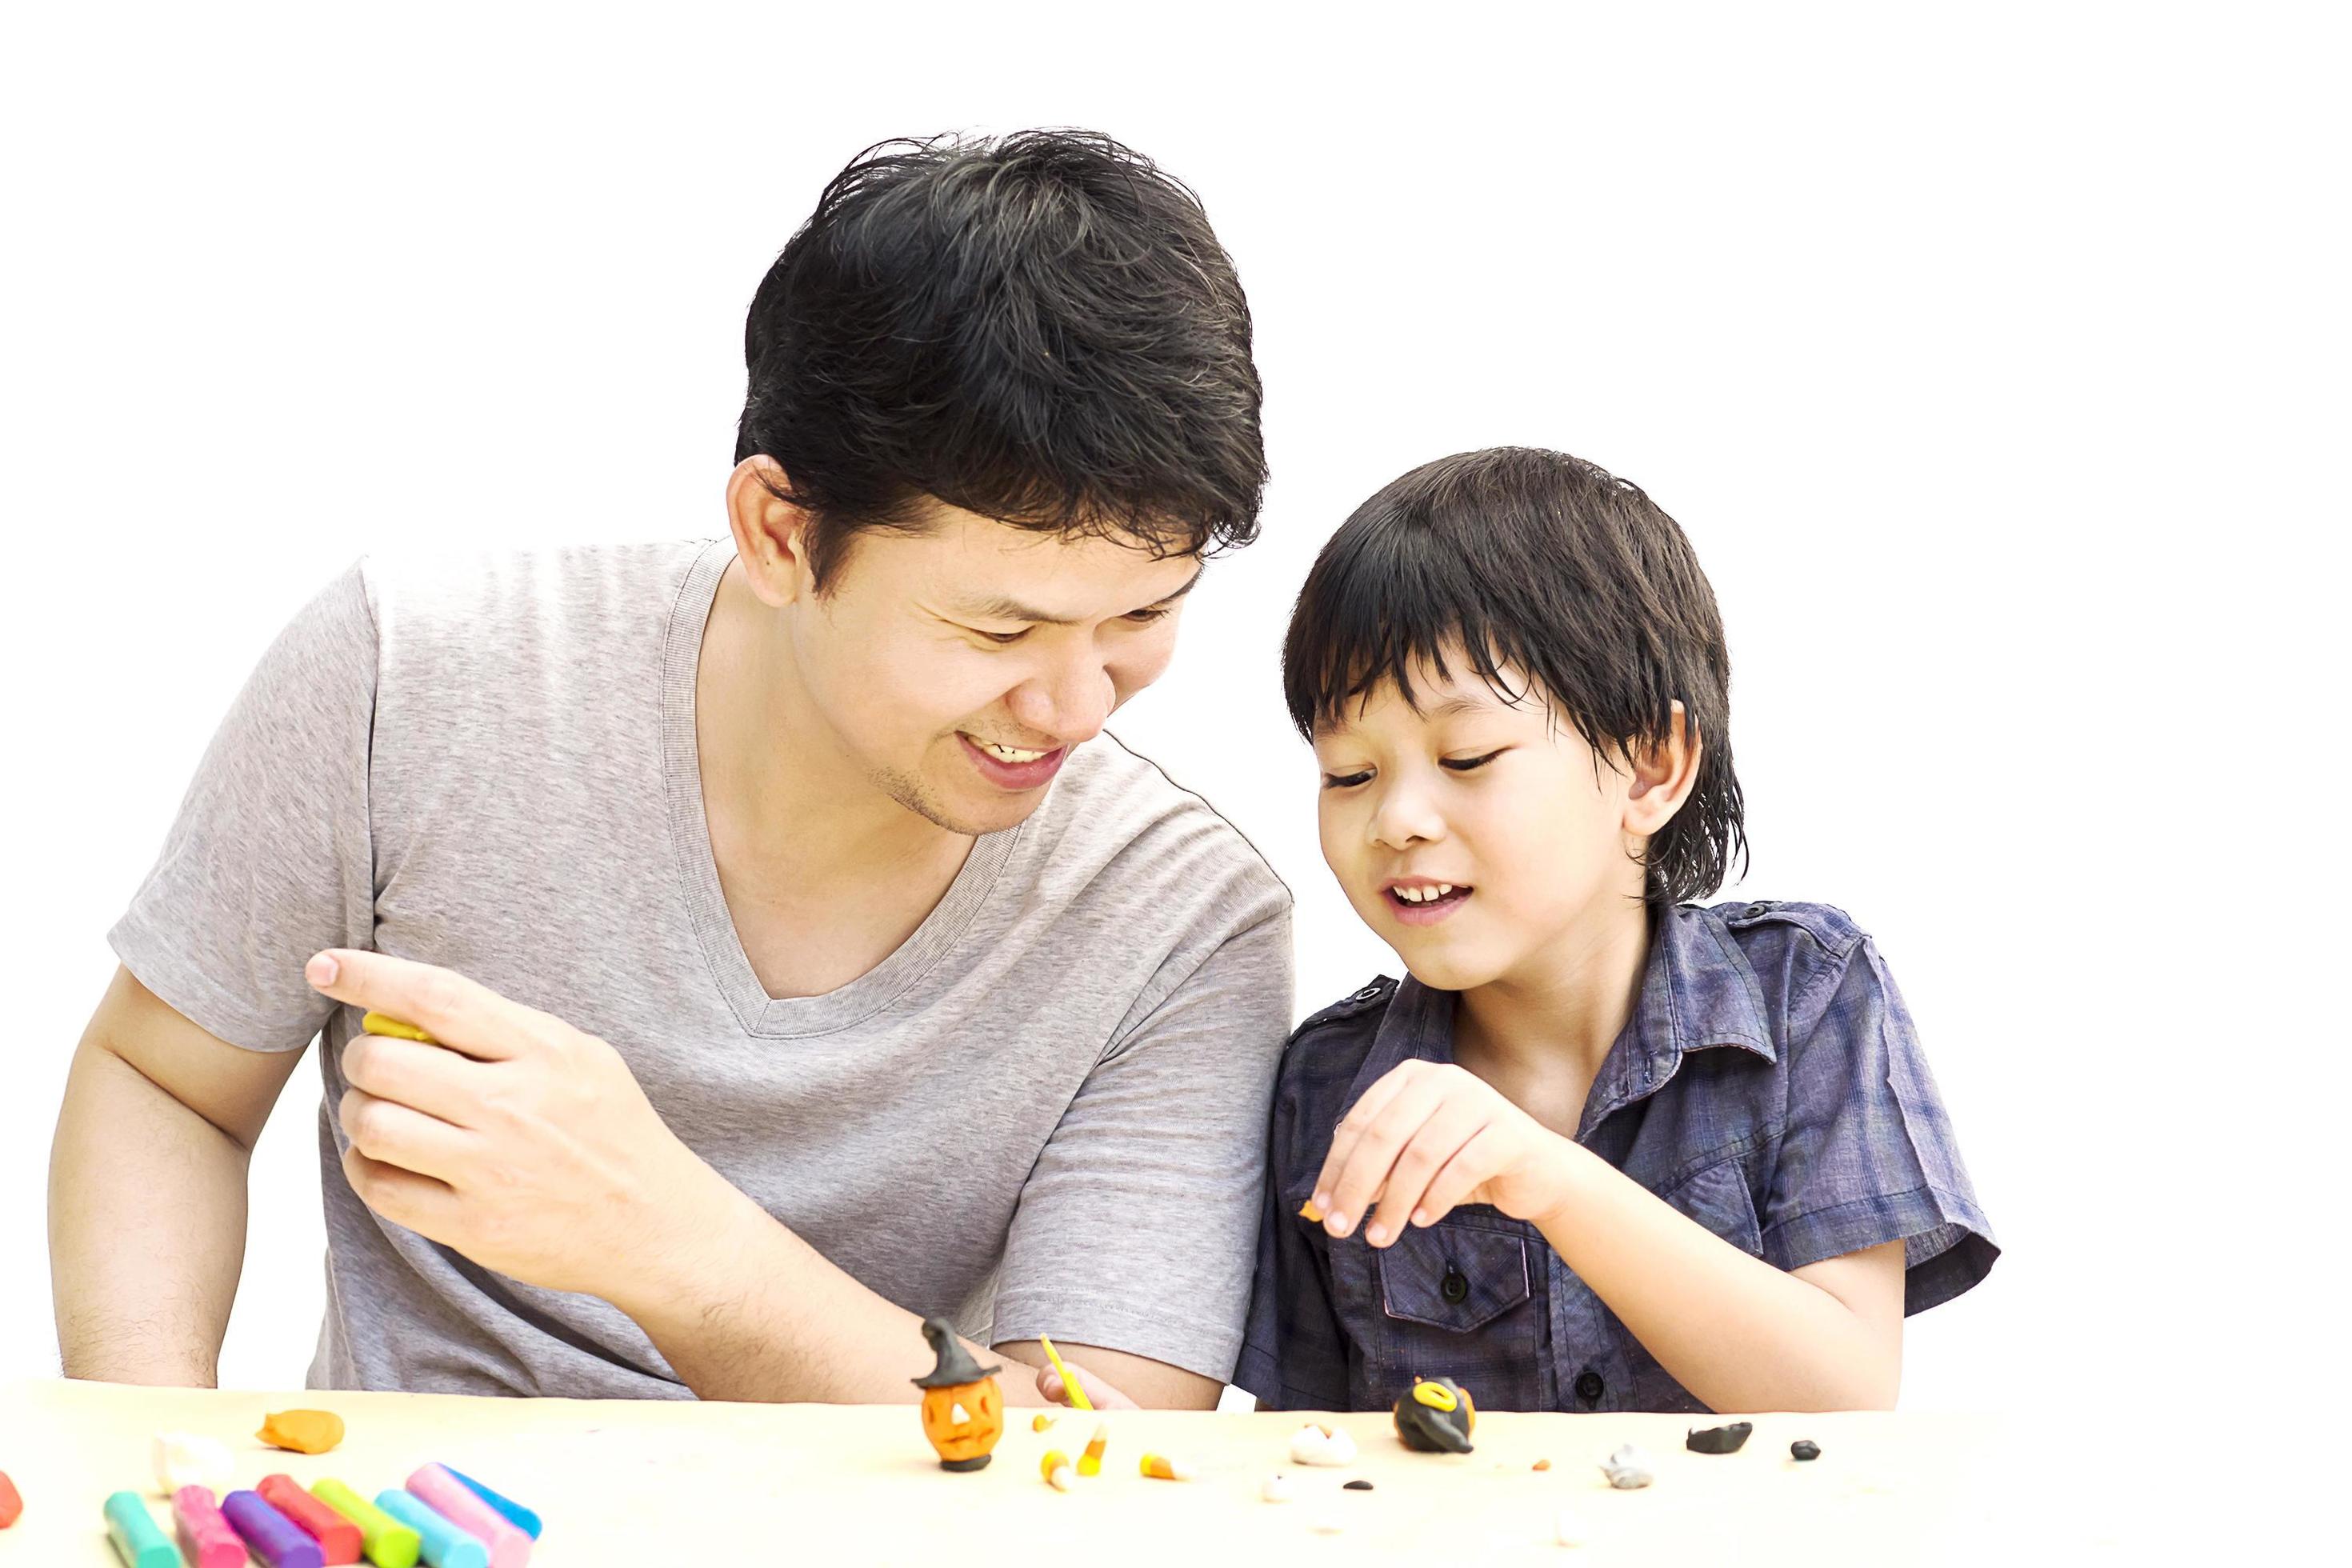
{"points": [[147, 1189]]}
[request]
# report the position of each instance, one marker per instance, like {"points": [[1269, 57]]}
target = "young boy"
{"points": [[1604, 1149]]}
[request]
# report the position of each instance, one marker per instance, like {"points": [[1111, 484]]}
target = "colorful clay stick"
{"points": [[513, 1512], [445, 1546], [11, 1507], [1077, 1395], [269, 1534], [302, 1431], [206, 1538], [387, 1542], [449, 1497], [392, 1028], [338, 1538], [184, 1459], [1090, 1462], [138, 1541], [1160, 1467], [1055, 1467]]}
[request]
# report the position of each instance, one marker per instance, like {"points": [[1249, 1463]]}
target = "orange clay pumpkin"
{"points": [[963, 1410]]}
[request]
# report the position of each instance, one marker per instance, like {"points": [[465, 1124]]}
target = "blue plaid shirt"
{"points": [[1768, 1085]]}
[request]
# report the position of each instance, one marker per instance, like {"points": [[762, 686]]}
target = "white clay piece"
{"points": [[1328, 1446], [1628, 1469], [1567, 1529], [1276, 1487], [185, 1460]]}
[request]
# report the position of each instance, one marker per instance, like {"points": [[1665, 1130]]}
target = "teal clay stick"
{"points": [[445, 1545], [387, 1542], [138, 1541]]}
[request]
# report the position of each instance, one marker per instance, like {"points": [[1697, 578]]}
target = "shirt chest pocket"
{"points": [[1459, 1299]]}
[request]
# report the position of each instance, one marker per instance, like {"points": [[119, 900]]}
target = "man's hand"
{"points": [[517, 1140], [1427, 1137]]}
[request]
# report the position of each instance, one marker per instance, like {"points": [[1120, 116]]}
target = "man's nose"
{"points": [[1068, 702]]}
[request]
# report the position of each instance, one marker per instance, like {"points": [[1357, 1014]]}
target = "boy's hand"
{"points": [[519, 1141], [1427, 1137]]}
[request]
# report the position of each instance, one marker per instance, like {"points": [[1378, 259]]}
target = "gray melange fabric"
{"points": [[1046, 1112]]}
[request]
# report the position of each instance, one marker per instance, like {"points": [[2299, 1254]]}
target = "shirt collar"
{"points": [[1698, 992]]}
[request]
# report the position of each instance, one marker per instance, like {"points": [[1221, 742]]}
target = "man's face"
{"points": [[960, 665], [1476, 835]]}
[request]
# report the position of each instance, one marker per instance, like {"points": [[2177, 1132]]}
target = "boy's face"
{"points": [[960, 666], [1476, 835]]}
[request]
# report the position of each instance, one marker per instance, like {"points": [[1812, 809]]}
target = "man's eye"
{"points": [[1004, 640], [1467, 764], [1344, 781]]}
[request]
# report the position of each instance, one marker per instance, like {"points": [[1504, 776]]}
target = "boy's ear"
{"points": [[1664, 775], [771, 532]]}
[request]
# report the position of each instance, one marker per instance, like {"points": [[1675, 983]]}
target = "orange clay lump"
{"points": [[303, 1431]]}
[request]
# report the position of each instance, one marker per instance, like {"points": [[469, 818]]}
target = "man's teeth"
{"points": [[1011, 753], [1424, 895]]}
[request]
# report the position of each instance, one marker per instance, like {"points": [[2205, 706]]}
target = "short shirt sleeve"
{"points": [[268, 859], [1154, 1174], [1867, 1154]]}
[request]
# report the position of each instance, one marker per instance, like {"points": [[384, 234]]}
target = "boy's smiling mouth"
{"points": [[1423, 900]]}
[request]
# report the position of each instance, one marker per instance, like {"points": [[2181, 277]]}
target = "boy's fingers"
{"points": [[1375, 1152], [1351, 1127], [457, 1012], [1477, 1162], [1452, 1125]]}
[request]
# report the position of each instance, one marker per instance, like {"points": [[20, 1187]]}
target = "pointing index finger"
{"points": [[422, 1002]]}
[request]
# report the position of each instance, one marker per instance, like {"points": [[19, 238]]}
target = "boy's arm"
{"points": [[147, 1189]]}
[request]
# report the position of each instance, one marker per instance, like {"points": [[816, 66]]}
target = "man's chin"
{"points": [[974, 811]]}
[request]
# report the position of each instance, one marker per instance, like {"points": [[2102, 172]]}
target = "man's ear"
{"points": [[1664, 775], [771, 532]]}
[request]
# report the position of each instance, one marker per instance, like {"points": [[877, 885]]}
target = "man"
{"points": [[797, 958]]}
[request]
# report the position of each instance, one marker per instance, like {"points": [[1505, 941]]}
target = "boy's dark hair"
{"points": [[1041, 328], [1561, 570]]}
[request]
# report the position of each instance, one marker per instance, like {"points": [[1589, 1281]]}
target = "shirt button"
{"points": [[1588, 1386], [1755, 911], [1454, 1286]]}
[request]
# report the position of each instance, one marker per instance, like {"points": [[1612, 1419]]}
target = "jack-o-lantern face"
{"points": [[964, 1421]]}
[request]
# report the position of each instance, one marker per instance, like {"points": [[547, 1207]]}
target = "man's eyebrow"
{"points": [[1007, 609]]}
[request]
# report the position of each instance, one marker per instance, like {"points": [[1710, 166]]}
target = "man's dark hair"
{"points": [[1547, 565], [1041, 328]]}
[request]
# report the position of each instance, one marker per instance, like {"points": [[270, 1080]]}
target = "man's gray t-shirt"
{"points": [[1044, 1112]]}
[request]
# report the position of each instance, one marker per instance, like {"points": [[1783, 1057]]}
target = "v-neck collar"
{"points": [[781, 1017]]}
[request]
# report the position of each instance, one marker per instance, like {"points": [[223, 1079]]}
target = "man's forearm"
{"points": [[743, 1308], [1739, 1333], [147, 1204]]}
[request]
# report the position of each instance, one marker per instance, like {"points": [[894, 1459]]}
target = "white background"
{"points": [[1994, 359]]}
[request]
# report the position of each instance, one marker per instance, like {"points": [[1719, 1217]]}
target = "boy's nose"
{"points": [[1404, 818]]}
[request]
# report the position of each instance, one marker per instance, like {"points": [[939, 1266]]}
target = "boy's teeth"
{"points": [[1424, 895]]}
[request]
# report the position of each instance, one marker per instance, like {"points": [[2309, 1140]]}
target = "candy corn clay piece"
{"points": [[387, 1542], [206, 1538], [268, 1534], [1090, 1462], [302, 1431], [1160, 1467], [385, 1024], [338, 1538], [11, 1507], [445, 1546], [1040, 1423], [184, 1459], [138, 1539], [447, 1496], [513, 1512], [1055, 1467], [1309, 1212]]}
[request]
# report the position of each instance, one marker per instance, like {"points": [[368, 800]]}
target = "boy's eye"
{"points": [[1467, 764], [1145, 617], [1344, 781]]}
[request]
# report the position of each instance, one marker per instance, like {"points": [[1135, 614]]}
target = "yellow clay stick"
{"points": [[1069, 1384], [385, 1024]]}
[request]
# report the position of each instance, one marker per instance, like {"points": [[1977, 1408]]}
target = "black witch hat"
{"points": [[956, 1364]]}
